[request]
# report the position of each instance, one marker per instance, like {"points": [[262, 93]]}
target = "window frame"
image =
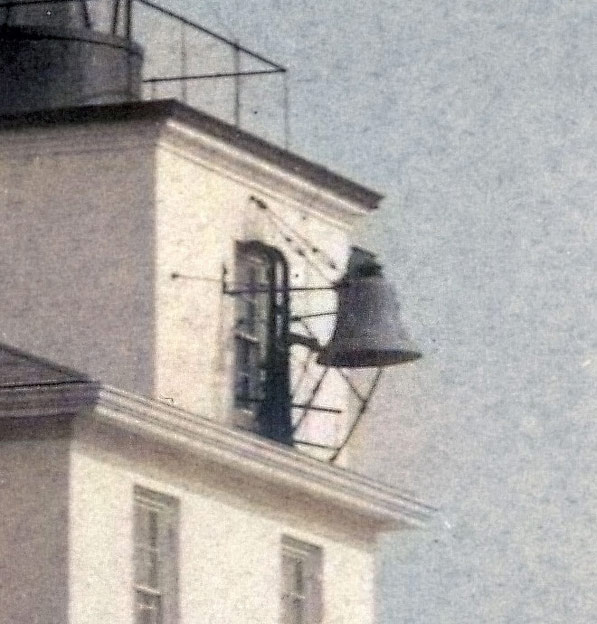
{"points": [[307, 586], [165, 510], [253, 336]]}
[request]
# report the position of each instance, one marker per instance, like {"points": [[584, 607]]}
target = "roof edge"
{"points": [[162, 111]]}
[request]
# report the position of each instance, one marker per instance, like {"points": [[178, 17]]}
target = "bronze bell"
{"points": [[368, 330]]}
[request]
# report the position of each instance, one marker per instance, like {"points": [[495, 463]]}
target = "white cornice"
{"points": [[197, 137], [211, 152], [382, 506], [76, 139], [46, 399], [220, 155]]}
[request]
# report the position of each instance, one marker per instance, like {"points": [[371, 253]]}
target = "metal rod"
{"points": [[286, 105], [349, 383], [115, 17], [255, 291], [86, 16], [314, 392], [128, 24], [248, 291], [317, 408], [259, 72], [15, 3], [306, 341], [278, 221], [362, 408], [342, 374], [157, 7], [300, 317], [237, 84], [195, 277], [183, 63]]}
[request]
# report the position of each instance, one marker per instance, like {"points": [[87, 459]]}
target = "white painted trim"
{"points": [[191, 143], [309, 201], [382, 506], [46, 400], [77, 139], [218, 155]]}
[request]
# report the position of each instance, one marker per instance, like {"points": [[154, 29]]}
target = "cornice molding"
{"points": [[218, 155], [212, 154], [382, 506], [195, 135], [35, 141], [47, 399]]}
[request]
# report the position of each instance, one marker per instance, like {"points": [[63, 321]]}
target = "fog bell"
{"points": [[369, 331]]}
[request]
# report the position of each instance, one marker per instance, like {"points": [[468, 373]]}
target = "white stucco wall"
{"points": [[229, 552], [76, 223], [203, 209], [33, 523]]}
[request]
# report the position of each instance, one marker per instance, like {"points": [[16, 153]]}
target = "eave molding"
{"points": [[194, 135], [382, 506], [217, 155], [176, 137], [47, 400]]}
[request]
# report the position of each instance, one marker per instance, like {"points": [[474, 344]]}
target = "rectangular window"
{"points": [[301, 582], [155, 550], [250, 331]]}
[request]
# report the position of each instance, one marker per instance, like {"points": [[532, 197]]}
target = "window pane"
{"points": [[249, 374], [155, 550], [243, 354], [298, 576], [247, 314], [146, 547], [149, 609], [293, 611], [293, 574], [140, 524], [147, 568], [301, 582], [152, 536], [152, 569]]}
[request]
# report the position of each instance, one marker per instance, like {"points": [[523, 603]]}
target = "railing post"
{"points": [[128, 24], [286, 111], [183, 63], [115, 17], [237, 83]]}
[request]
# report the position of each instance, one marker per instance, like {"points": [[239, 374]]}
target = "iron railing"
{"points": [[187, 61]]}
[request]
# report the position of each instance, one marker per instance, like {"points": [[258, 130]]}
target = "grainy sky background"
{"points": [[476, 118]]}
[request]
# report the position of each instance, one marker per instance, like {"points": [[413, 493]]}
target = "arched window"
{"points": [[261, 334]]}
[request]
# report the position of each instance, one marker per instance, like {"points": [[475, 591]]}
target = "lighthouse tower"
{"points": [[173, 437]]}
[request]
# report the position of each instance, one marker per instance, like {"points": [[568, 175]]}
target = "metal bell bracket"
{"points": [[363, 398]]}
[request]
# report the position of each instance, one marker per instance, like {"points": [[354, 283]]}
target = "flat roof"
{"points": [[163, 110]]}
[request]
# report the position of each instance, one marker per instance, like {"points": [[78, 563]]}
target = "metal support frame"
{"points": [[364, 403], [363, 399], [274, 416]]}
